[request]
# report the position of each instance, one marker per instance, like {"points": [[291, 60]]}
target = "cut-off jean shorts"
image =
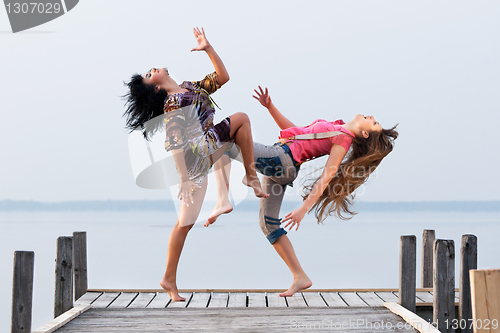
{"points": [[279, 169]]}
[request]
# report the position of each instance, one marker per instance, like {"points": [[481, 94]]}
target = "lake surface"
{"points": [[128, 250]]}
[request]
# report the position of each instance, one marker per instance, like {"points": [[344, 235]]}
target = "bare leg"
{"points": [[222, 170], [241, 132], [300, 280], [187, 217]]}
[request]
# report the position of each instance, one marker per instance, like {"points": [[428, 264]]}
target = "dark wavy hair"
{"points": [[144, 106], [363, 158]]}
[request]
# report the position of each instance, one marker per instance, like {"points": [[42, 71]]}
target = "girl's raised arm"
{"points": [[264, 99], [204, 45]]}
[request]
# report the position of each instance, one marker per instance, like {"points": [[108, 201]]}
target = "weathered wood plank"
{"points": [[63, 296], [352, 299], [22, 291], [407, 271], [199, 300], [417, 299], [388, 296], [411, 318], [256, 300], [80, 263], [371, 299], [274, 300], [88, 298], [296, 301], [424, 297], [468, 261], [63, 319], [218, 300], [485, 296], [314, 300], [428, 238], [258, 320], [123, 300], [444, 284], [160, 301], [105, 300], [141, 301], [237, 300], [334, 300], [184, 304]]}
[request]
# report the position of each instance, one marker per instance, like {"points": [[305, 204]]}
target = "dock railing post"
{"points": [[80, 263], [444, 284], [63, 297], [22, 291], [408, 272], [485, 291], [468, 261], [428, 238]]}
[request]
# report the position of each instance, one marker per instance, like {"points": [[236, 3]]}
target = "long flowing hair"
{"points": [[144, 106], [363, 158]]}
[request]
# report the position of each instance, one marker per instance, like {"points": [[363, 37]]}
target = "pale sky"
{"points": [[431, 66]]}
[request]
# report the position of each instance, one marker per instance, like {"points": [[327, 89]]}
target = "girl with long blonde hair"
{"points": [[355, 150]]}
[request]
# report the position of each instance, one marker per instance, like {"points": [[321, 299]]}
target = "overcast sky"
{"points": [[431, 66]]}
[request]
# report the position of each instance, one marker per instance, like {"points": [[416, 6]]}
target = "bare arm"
{"points": [[337, 154], [264, 99], [204, 45]]}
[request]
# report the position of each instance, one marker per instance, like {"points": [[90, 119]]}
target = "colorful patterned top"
{"points": [[303, 150], [189, 125]]}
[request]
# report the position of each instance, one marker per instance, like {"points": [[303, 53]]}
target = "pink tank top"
{"points": [[303, 150]]}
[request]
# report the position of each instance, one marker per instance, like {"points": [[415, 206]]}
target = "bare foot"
{"points": [[299, 284], [254, 183], [171, 289], [218, 211]]}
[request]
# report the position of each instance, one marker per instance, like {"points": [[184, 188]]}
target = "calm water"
{"points": [[128, 250]]}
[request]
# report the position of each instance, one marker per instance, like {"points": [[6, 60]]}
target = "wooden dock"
{"points": [[405, 309], [361, 310]]}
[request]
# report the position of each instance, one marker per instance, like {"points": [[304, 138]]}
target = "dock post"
{"points": [[22, 291], [485, 290], [428, 238], [408, 272], [468, 261], [444, 284], [63, 298], [80, 263]]}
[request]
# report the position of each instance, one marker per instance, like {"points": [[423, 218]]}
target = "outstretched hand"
{"points": [[263, 97], [203, 43], [294, 218], [185, 192]]}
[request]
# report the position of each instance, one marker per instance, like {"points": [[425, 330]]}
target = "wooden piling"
{"points": [[428, 238], [63, 298], [444, 284], [468, 261], [22, 291], [408, 272], [485, 291], [80, 263]]}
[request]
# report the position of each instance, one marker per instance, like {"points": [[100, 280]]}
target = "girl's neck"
{"points": [[351, 126], [175, 90], [171, 87]]}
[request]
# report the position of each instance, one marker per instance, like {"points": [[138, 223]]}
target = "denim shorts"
{"points": [[276, 162], [279, 168]]}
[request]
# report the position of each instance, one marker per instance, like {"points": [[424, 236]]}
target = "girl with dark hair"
{"points": [[331, 193], [186, 110]]}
